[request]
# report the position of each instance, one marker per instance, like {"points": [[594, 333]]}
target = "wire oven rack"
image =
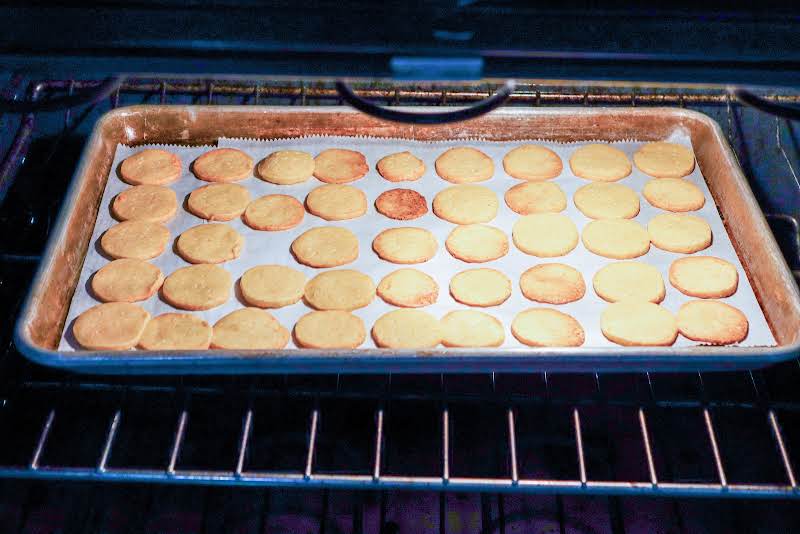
{"points": [[720, 435]]}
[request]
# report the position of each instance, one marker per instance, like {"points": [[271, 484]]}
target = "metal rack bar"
{"points": [[312, 441], [112, 433]]}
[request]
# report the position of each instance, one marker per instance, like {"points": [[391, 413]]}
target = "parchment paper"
{"points": [[273, 247]]}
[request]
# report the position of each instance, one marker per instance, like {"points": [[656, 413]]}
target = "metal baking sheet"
{"points": [[597, 353]]}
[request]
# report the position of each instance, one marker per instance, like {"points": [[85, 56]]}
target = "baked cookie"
{"points": [[602, 200], [344, 289], [480, 287], [673, 194], [408, 288], [620, 239], [533, 163], [401, 204], [140, 240], [552, 283], [176, 331], [286, 167], [337, 202], [462, 165], [629, 280], [405, 245], [339, 166], [209, 243], [329, 330], [249, 329], [218, 202], [272, 286], [638, 323], [543, 327], [536, 197], [600, 162], [407, 329], [471, 328], [477, 243], [197, 287], [223, 165], [679, 232], [401, 167], [326, 246], [126, 280], [664, 160], [705, 277], [273, 213], [151, 166], [110, 326], [545, 235], [466, 204], [712, 322], [151, 203]]}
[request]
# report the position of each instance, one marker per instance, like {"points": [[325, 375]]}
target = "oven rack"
{"points": [[579, 417]]}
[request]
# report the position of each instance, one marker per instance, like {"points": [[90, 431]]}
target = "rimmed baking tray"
{"points": [[40, 325]]}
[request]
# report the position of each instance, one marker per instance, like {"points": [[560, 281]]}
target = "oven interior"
{"points": [[482, 453]]}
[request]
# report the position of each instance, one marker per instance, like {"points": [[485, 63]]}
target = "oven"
{"points": [[401, 452]]}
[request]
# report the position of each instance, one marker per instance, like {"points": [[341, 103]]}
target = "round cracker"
{"points": [[401, 204], [197, 287], [407, 329], [126, 280], [552, 283], [110, 326], [209, 243], [176, 331], [545, 235], [223, 165], [273, 213], [533, 163], [600, 162], [471, 328], [140, 240], [325, 246], [334, 329], [286, 167], [673, 194], [249, 329], [151, 203], [401, 167], [218, 202], [272, 286], [638, 323], [619, 239], [405, 245], [408, 288], [151, 166], [337, 202], [712, 322], [705, 277], [679, 232], [340, 166], [629, 280], [462, 165], [664, 160], [466, 204], [536, 197], [345, 289], [603, 200], [543, 327], [477, 243], [480, 287]]}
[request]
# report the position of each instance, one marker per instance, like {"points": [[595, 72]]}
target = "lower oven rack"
{"points": [[654, 435]]}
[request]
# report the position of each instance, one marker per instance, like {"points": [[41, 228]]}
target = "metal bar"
{"points": [[37, 452], [651, 467], [712, 436], [177, 442], [445, 445], [246, 430], [512, 446], [376, 471], [312, 439], [576, 421], [787, 463], [112, 433]]}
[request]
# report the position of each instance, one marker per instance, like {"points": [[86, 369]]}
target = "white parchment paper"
{"points": [[273, 247]]}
